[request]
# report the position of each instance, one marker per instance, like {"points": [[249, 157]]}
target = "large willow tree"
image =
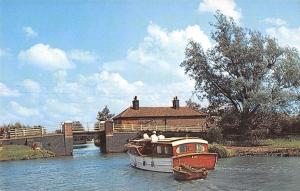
{"points": [[246, 72]]}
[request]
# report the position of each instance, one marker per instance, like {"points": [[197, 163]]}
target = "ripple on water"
{"points": [[91, 170]]}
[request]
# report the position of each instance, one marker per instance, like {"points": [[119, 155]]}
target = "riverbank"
{"points": [[269, 147], [21, 152]]}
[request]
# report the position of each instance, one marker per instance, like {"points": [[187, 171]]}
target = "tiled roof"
{"points": [[158, 112]]}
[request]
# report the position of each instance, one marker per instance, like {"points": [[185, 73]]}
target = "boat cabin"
{"points": [[168, 147], [163, 155]]}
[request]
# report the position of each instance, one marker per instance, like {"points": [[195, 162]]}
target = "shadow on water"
{"points": [[80, 146], [88, 169]]}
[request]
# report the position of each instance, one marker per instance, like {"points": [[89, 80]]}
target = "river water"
{"points": [[90, 170]]}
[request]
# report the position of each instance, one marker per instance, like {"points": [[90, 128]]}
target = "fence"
{"points": [[26, 132], [135, 128], [98, 127]]}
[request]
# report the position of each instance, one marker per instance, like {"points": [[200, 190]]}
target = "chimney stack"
{"points": [[176, 103], [135, 103]]}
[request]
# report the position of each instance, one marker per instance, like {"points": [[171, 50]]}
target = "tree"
{"points": [[104, 115], [193, 105], [77, 126], [246, 74], [18, 125]]}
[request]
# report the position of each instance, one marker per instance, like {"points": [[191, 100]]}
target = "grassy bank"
{"points": [[282, 143], [271, 147], [21, 152]]}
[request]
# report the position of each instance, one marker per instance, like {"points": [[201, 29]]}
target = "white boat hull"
{"points": [[151, 163]]}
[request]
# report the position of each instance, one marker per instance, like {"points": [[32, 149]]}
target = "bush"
{"points": [[214, 135], [221, 151]]}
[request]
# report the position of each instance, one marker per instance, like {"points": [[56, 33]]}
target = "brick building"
{"points": [[161, 116]]}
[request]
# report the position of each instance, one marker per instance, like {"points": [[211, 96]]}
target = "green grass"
{"points": [[221, 151], [282, 143], [21, 152]]}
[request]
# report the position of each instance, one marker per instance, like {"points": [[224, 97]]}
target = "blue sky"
{"points": [[64, 60]]}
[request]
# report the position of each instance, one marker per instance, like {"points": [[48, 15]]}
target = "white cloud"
{"points": [[29, 32], [160, 43], [5, 91], [286, 36], [159, 54], [23, 111], [83, 56], [275, 21], [114, 82], [227, 7], [155, 62], [114, 90], [31, 86], [110, 83], [155, 65], [45, 57]]}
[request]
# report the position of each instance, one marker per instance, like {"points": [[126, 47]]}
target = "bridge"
{"points": [[109, 136], [82, 137], [115, 136]]}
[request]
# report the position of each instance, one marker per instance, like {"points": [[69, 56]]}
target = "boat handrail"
{"points": [[136, 147], [133, 146]]}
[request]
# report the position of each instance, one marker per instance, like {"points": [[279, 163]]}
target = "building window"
{"points": [[182, 149], [199, 148], [158, 149]]}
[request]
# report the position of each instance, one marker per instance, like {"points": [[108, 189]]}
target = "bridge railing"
{"points": [[135, 128], [26, 132]]}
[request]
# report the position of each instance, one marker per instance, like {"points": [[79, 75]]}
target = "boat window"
{"points": [[182, 149], [199, 148], [167, 150], [158, 149]]}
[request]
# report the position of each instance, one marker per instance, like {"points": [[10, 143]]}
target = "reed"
{"points": [[221, 151]]}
